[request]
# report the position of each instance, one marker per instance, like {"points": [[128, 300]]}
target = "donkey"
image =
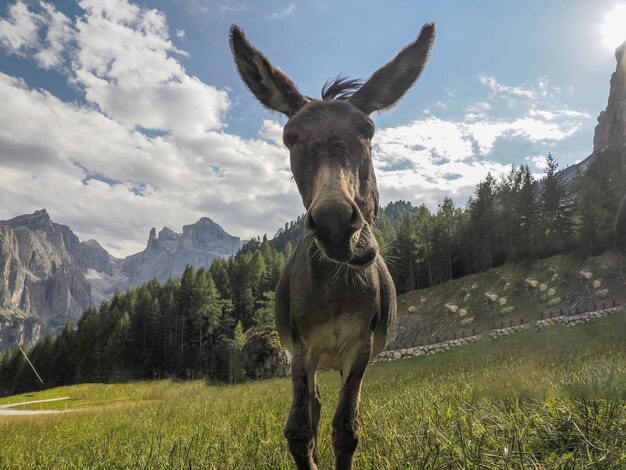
{"points": [[335, 300]]}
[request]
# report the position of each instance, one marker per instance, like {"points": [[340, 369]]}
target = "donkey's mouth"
{"points": [[358, 254], [365, 248], [364, 258]]}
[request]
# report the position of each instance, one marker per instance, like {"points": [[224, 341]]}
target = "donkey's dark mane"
{"points": [[340, 88]]}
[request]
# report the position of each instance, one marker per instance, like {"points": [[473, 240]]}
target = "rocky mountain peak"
{"points": [[168, 253], [620, 53], [38, 220], [207, 235], [610, 133], [168, 234], [93, 243]]}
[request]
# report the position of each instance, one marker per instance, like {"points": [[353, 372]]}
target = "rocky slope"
{"points": [[510, 295], [48, 276]]}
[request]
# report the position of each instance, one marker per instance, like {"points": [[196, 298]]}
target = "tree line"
{"points": [[218, 323], [215, 323], [510, 219]]}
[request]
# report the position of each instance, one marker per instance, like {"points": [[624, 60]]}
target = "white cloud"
{"points": [[455, 140], [505, 90], [553, 114], [538, 162], [430, 136], [485, 133], [284, 13], [212, 6], [59, 33], [125, 62], [123, 58], [429, 158], [272, 132], [20, 33], [114, 189], [479, 107], [96, 168]]}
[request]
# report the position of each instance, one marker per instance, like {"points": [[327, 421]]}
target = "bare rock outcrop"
{"points": [[41, 276], [610, 133]]}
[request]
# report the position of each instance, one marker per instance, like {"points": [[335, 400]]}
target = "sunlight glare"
{"points": [[614, 27]]}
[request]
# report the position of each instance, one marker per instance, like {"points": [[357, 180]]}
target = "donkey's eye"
{"points": [[290, 140], [366, 132]]}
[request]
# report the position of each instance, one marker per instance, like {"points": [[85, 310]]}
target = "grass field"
{"points": [[549, 399]]}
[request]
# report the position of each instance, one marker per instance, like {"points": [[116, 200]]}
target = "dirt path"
{"points": [[8, 409]]}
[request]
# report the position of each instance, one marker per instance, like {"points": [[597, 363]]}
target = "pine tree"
{"points": [[483, 224], [239, 337], [264, 313], [424, 241], [598, 193], [87, 352], [443, 238], [64, 357], [529, 215], [556, 209], [9, 366], [115, 354], [184, 300]]}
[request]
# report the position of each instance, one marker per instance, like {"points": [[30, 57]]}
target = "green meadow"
{"points": [[554, 398]]}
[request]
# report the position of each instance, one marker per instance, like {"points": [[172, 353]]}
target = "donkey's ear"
{"points": [[271, 87], [387, 85]]}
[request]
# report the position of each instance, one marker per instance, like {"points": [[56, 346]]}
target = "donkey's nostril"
{"points": [[356, 219]]}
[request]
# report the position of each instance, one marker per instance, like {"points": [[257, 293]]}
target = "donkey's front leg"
{"points": [[316, 408], [299, 430], [345, 421]]}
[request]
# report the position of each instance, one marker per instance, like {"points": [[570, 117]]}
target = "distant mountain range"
{"points": [[48, 276]]}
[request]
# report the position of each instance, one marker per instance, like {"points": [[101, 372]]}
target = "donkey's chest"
{"points": [[338, 333], [336, 339], [330, 315]]}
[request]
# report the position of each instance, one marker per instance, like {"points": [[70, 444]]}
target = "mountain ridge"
{"points": [[48, 276]]}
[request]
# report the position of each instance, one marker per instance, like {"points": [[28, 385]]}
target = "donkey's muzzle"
{"points": [[334, 222]]}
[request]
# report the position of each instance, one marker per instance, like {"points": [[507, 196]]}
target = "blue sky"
{"points": [[119, 115]]}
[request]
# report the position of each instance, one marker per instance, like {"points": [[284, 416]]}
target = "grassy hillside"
{"points": [[555, 397], [510, 293]]}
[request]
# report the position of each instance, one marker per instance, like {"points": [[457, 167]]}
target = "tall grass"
{"points": [[549, 399]]}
